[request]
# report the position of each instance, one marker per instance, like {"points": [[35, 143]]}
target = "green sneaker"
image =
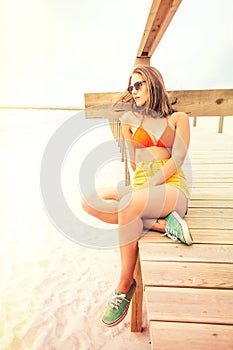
{"points": [[117, 307], [177, 229]]}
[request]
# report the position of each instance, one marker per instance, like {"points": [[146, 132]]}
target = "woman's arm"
{"points": [[179, 150], [127, 133]]}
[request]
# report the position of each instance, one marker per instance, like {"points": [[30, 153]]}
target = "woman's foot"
{"points": [[173, 226], [177, 229], [118, 306]]}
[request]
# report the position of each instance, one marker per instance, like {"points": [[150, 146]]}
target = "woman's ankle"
{"points": [[156, 225], [124, 286]]}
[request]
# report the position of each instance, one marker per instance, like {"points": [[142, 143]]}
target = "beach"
{"points": [[54, 287], [53, 290]]}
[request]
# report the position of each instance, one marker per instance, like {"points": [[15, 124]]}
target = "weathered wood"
{"points": [[210, 213], [99, 98], [179, 274], [190, 336], [210, 222], [204, 102], [208, 193], [205, 203], [136, 309], [178, 252], [220, 124], [161, 14], [200, 235], [194, 102], [192, 305], [142, 60]]}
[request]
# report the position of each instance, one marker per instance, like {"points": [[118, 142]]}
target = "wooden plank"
{"points": [[217, 167], [226, 223], [210, 222], [212, 166], [189, 336], [198, 160], [194, 102], [212, 183], [161, 14], [207, 236], [179, 274], [204, 102], [105, 111], [195, 203], [210, 212], [98, 98], [178, 252], [211, 193], [189, 305], [212, 236]]}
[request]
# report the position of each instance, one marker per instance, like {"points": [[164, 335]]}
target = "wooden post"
{"points": [[194, 121], [136, 309], [142, 60], [220, 124]]}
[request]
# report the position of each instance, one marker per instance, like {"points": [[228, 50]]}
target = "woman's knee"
{"points": [[130, 206]]}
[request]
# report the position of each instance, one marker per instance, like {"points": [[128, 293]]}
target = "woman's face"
{"points": [[140, 96]]}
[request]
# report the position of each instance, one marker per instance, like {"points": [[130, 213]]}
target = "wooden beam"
{"points": [[193, 102], [161, 14]]}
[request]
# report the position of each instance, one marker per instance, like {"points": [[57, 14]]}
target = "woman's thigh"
{"points": [[113, 193], [154, 202], [105, 200]]}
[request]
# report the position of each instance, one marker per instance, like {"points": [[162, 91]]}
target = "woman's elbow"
{"points": [[179, 160]]}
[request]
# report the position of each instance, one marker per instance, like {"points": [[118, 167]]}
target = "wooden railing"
{"points": [[194, 102]]}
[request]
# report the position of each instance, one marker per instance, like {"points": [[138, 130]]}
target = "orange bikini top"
{"points": [[142, 139]]}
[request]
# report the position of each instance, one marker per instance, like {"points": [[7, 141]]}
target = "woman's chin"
{"points": [[139, 103]]}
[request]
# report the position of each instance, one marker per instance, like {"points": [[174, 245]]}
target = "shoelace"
{"points": [[170, 234], [117, 299]]}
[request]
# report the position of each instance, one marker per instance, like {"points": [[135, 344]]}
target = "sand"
{"points": [[53, 291]]}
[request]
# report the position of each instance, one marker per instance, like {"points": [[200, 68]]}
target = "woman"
{"points": [[157, 139]]}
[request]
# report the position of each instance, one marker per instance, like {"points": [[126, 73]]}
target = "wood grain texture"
{"points": [[192, 336], [189, 305]]}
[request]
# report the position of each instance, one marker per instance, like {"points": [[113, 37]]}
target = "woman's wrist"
{"points": [[153, 181]]}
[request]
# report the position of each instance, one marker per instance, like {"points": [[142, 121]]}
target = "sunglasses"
{"points": [[136, 85]]}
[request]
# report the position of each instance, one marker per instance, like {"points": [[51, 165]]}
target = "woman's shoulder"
{"points": [[178, 117]]}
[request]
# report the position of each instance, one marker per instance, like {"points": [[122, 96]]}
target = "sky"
{"points": [[53, 51]]}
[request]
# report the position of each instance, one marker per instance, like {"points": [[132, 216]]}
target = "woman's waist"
{"points": [[154, 164], [152, 153], [151, 166]]}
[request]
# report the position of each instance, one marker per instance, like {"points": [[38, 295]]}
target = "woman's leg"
{"points": [[103, 204], [133, 209], [160, 224], [142, 204]]}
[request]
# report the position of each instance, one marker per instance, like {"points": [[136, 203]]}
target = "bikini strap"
{"points": [[141, 122]]}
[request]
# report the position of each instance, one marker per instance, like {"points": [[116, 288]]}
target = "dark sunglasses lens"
{"points": [[137, 85]]}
